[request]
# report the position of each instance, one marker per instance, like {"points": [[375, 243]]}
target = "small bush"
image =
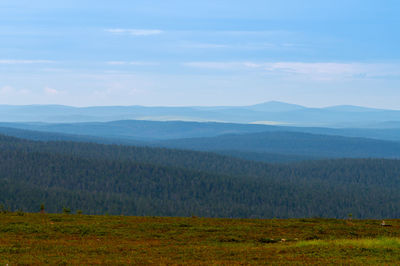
{"points": [[230, 239], [66, 210], [268, 240]]}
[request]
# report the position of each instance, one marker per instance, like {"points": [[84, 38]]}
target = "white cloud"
{"points": [[312, 68], [132, 63], [316, 71], [119, 89], [255, 32], [205, 45], [242, 46], [8, 91], [215, 65], [135, 32], [15, 62], [330, 71], [51, 91]]}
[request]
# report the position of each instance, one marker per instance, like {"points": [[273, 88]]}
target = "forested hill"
{"points": [[271, 146], [57, 136], [159, 130], [291, 143], [53, 136], [152, 181]]}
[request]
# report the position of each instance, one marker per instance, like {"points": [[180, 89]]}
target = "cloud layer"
{"points": [[316, 70], [132, 63], [16, 62]]}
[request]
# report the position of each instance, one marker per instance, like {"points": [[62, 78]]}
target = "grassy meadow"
{"points": [[27, 238]]}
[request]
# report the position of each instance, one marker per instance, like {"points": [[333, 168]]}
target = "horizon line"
{"points": [[208, 106]]}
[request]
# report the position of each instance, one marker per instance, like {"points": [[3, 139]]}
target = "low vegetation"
{"points": [[27, 238]]}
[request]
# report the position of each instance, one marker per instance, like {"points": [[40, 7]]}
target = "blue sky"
{"points": [[220, 52]]}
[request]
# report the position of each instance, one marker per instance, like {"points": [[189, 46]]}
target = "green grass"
{"points": [[84, 239], [370, 243]]}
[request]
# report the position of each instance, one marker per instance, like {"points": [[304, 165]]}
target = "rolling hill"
{"points": [[118, 179], [275, 113], [253, 142], [291, 143]]}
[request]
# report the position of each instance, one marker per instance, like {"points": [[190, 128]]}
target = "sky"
{"points": [[204, 53]]}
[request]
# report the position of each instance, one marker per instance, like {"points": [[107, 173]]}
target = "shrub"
{"points": [[66, 210]]}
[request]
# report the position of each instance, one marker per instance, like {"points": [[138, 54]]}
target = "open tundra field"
{"points": [[27, 238]]}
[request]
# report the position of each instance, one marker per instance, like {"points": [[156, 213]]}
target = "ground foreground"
{"points": [[82, 239]]}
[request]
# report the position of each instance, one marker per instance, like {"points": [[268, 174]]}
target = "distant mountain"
{"points": [[385, 125], [274, 106], [352, 108], [134, 130], [141, 130], [275, 113]]}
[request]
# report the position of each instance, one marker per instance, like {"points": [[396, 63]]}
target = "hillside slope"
{"points": [[133, 130], [292, 143], [270, 146], [101, 178]]}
